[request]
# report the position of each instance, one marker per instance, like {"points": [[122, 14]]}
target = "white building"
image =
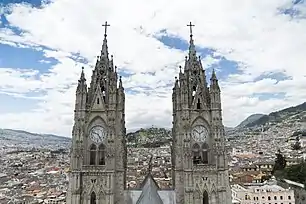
{"points": [[262, 194]]}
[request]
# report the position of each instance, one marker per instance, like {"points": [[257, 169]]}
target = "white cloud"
{"points": [[251, 33]]}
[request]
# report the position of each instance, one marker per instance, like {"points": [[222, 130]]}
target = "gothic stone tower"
{"points": [[98, 153], [200, 169]]}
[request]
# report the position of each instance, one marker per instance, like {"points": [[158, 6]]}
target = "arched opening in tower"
{"points": [[102, 154], [205, 198], [205, 153], [196, 154], [93, 198], [193, 91], [199, 104], [92, 154], [103, 93]]}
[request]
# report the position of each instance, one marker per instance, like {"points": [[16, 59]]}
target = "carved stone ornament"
{"points": [[187, 154], [205, 183], [186, 140], [111, 152], [111, 119]]}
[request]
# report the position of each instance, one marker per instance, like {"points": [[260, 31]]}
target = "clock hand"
{"points": [[195, 132], [100, 136], [96, 134]]}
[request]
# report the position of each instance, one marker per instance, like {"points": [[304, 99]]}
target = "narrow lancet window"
{"points": [[92, 154], [193, 91], [205, 198], [102, 154], [199, 104], [205, 153], [93, 198], [196, 154], [103, 93]]}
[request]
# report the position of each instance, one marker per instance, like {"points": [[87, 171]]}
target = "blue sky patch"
{"points": [[278, 76], [13, 104], [33, 3], [294, 10], [224, 67], [267, 96], [25, 58]]}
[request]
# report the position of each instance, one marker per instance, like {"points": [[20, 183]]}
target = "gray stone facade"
{"points": [[98, 152], [199, 161]]}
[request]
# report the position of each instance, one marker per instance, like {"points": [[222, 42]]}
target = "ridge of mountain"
{"points": [[20, 139], [143, 137], [22, 133], [296, 113], [250, 119], [149, 137]]}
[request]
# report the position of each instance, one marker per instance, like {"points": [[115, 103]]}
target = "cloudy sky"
{"points": [[258, 48]]}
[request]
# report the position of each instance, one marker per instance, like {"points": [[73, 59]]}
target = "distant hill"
{"points": [[152, 137], [20, 138], [149, 137], [294, 113], [249, 120]]}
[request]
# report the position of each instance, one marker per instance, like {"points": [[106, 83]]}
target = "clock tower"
{"points": [[199, 160], [98, 152]]}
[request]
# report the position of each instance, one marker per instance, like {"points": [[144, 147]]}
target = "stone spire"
{"points": [[192, 51], [104, 51], [82, 82], [215, 95], [214, 85], [120, 83], [81, 96]]}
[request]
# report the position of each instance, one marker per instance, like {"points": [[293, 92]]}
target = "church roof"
{"points": [[148, 176], [149, 194]]}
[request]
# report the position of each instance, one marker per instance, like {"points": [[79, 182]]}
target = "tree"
{"points": [[280, 162], [297, 144], [296, 173]]}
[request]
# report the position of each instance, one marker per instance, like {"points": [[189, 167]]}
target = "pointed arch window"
{"points": [[103, 93], [199, 104], [92, 154], [196, 153], [205, 153], [194, 90], [98, 101], [101, 154], [205, 198], [93, 198]]}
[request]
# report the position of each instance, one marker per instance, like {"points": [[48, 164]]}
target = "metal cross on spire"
{"points": [[105, 28], [190, 28]]}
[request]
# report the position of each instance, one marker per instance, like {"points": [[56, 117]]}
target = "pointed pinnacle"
{"points": [[213, 75], [82, 73], [120, 81], [82, 78]]}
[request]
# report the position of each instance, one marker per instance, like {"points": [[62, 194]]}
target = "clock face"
{"points": [[97, 134], [199, 133]]}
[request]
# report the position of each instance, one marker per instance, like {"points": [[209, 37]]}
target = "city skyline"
{"points": [[256, 49]]}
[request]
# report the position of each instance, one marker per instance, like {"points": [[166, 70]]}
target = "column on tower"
{"points": [[79, 120], [198, 153], [99, 136]]}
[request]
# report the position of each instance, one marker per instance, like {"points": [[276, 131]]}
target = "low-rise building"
{"points": [[267, 193], [299, 190]]}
